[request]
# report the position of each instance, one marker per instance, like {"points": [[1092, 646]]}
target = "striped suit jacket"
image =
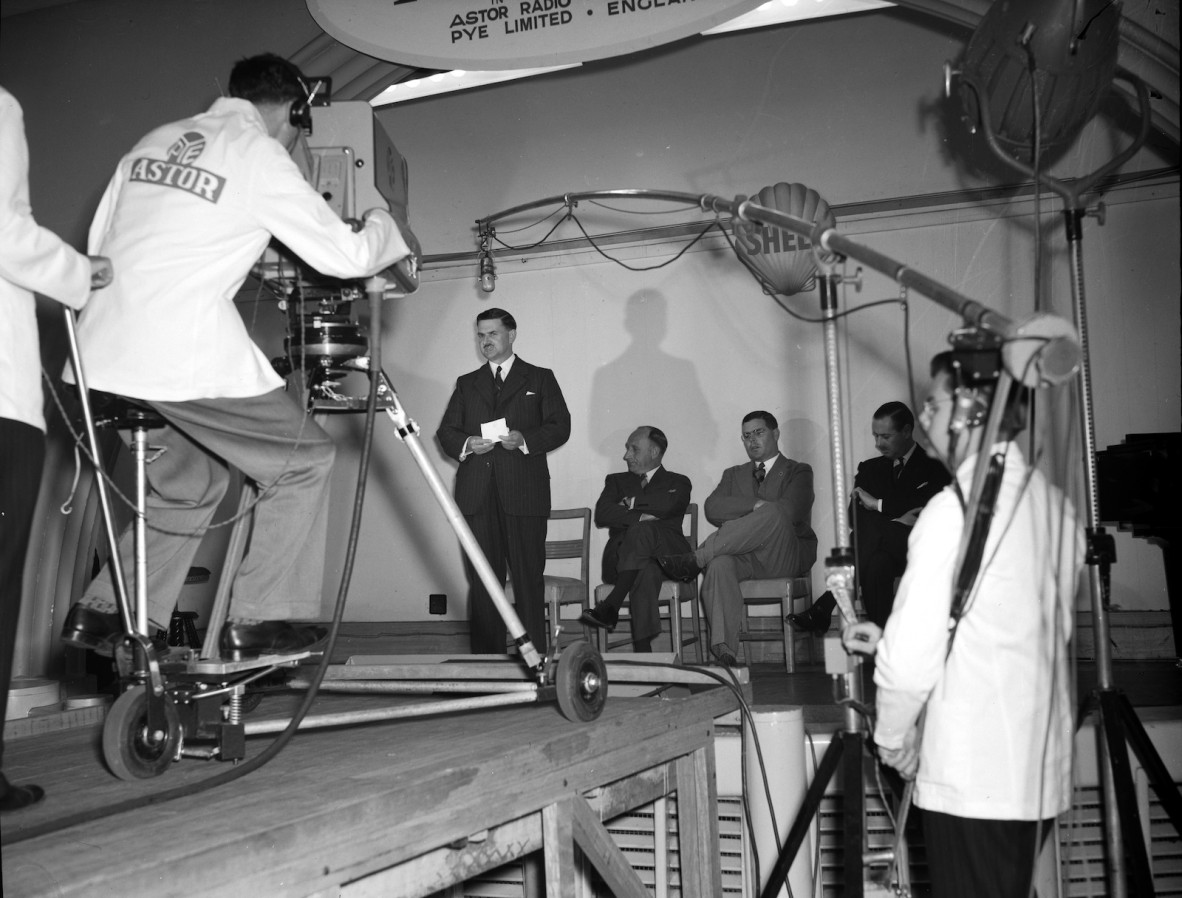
{"points": [[530, 402]]}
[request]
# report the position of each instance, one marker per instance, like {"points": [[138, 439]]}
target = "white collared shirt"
{"points": [[505, 366], [649, 475], [767, 464], [900, 462]]}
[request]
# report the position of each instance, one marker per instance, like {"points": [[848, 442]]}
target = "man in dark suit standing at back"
{"points": [[500, 422], [643, 510], [889, 493], [762, 510]]}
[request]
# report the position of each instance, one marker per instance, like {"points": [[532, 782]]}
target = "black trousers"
{"points": [[972, 858], [637, 551], [20, 479], [515, 544]]}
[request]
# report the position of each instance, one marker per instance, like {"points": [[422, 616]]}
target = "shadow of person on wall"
{"points": [[645, 385]]}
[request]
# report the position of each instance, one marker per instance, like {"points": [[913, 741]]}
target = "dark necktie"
{"points": [[898, 469], [500, 381], [643, 482], [760, 473]]}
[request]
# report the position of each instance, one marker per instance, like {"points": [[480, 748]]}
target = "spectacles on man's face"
{"points": [[753, 435]]}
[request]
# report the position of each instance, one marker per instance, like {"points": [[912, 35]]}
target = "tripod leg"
{"points": [[804, 818], [1159, 776], [409, 433], [853, 801], [1122, 774], [118, 576]]}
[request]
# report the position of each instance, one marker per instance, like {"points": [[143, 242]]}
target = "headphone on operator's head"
{"points": [[975, 367], [301, 109]]}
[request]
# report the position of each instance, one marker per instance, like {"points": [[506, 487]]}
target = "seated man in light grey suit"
{"points": [[762, 511]]}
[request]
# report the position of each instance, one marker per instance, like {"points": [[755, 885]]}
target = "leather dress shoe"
{"points": [[680, 567], [812, 622], [726, 659], [601, 616], [13, 798], [86, 628], [268, 637]]}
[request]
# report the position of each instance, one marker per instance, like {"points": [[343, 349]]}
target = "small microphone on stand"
{"points": [[488, 272]]}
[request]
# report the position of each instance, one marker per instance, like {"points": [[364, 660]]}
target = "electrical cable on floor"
{"points": [[731, 683]]}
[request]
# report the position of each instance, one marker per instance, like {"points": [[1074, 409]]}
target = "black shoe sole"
{"points": [[18, 797], [601, 625], [80, 639], [808, 628], [251, 654]]}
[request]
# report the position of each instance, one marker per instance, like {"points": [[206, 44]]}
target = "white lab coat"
{"points": [[998, 733], [32, 260], [186, 215]]}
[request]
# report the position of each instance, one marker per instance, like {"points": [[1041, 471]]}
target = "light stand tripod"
{"points": [[1118, 724], [848, 746]]}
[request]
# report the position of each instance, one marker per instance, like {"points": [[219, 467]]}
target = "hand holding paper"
{"points": [[494, 430]]}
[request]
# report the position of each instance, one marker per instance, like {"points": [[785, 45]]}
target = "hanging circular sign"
{"points": [[490, 35]]}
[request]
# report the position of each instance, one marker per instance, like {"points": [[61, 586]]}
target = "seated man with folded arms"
{"points": [[643, 510], [762, 510]]}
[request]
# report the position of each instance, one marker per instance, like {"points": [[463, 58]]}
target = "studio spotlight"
{"points": [[1068, 47]]}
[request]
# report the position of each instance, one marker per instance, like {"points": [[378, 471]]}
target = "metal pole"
{"points": [[118, 576], [140, 452], [1113, 841], [425, 709], [408, 431], [839, 566], [1058, 357]]}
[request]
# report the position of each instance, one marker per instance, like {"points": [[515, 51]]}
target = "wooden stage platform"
{"points": [[403, 808]]}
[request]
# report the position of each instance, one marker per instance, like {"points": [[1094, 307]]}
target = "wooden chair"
{"points": [[673, 593], [791, 594], [560, 590]]}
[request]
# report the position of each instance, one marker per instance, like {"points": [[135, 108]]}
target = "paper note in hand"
{"points": [[494, 430]]}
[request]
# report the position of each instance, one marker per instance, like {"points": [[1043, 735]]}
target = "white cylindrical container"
{"points": [[28, 693], [780, 731]]}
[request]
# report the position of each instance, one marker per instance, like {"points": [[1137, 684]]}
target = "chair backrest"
{"points": [[572, 548]]}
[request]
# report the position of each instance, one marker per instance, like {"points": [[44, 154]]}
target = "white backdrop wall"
{"points": [[847, 106], [690, 348]]}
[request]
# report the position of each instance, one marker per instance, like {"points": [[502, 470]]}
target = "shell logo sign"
{"points": [[489, 35], [783, 262]]}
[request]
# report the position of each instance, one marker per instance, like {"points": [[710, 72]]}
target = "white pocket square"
{"points": [[530, 393]]}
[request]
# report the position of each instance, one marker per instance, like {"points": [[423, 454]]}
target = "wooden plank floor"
{"points": [[334, 806]]}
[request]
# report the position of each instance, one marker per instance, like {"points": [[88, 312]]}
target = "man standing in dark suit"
{"points": [[643, 510], [500, 422], [889, 493], [762, 511]]}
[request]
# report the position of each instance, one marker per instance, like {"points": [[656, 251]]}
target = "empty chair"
{"points": [[790, 594], [564, 590]]}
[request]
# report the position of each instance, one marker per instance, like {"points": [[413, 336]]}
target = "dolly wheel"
{"points": [[581, 682], [131, 751]]}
